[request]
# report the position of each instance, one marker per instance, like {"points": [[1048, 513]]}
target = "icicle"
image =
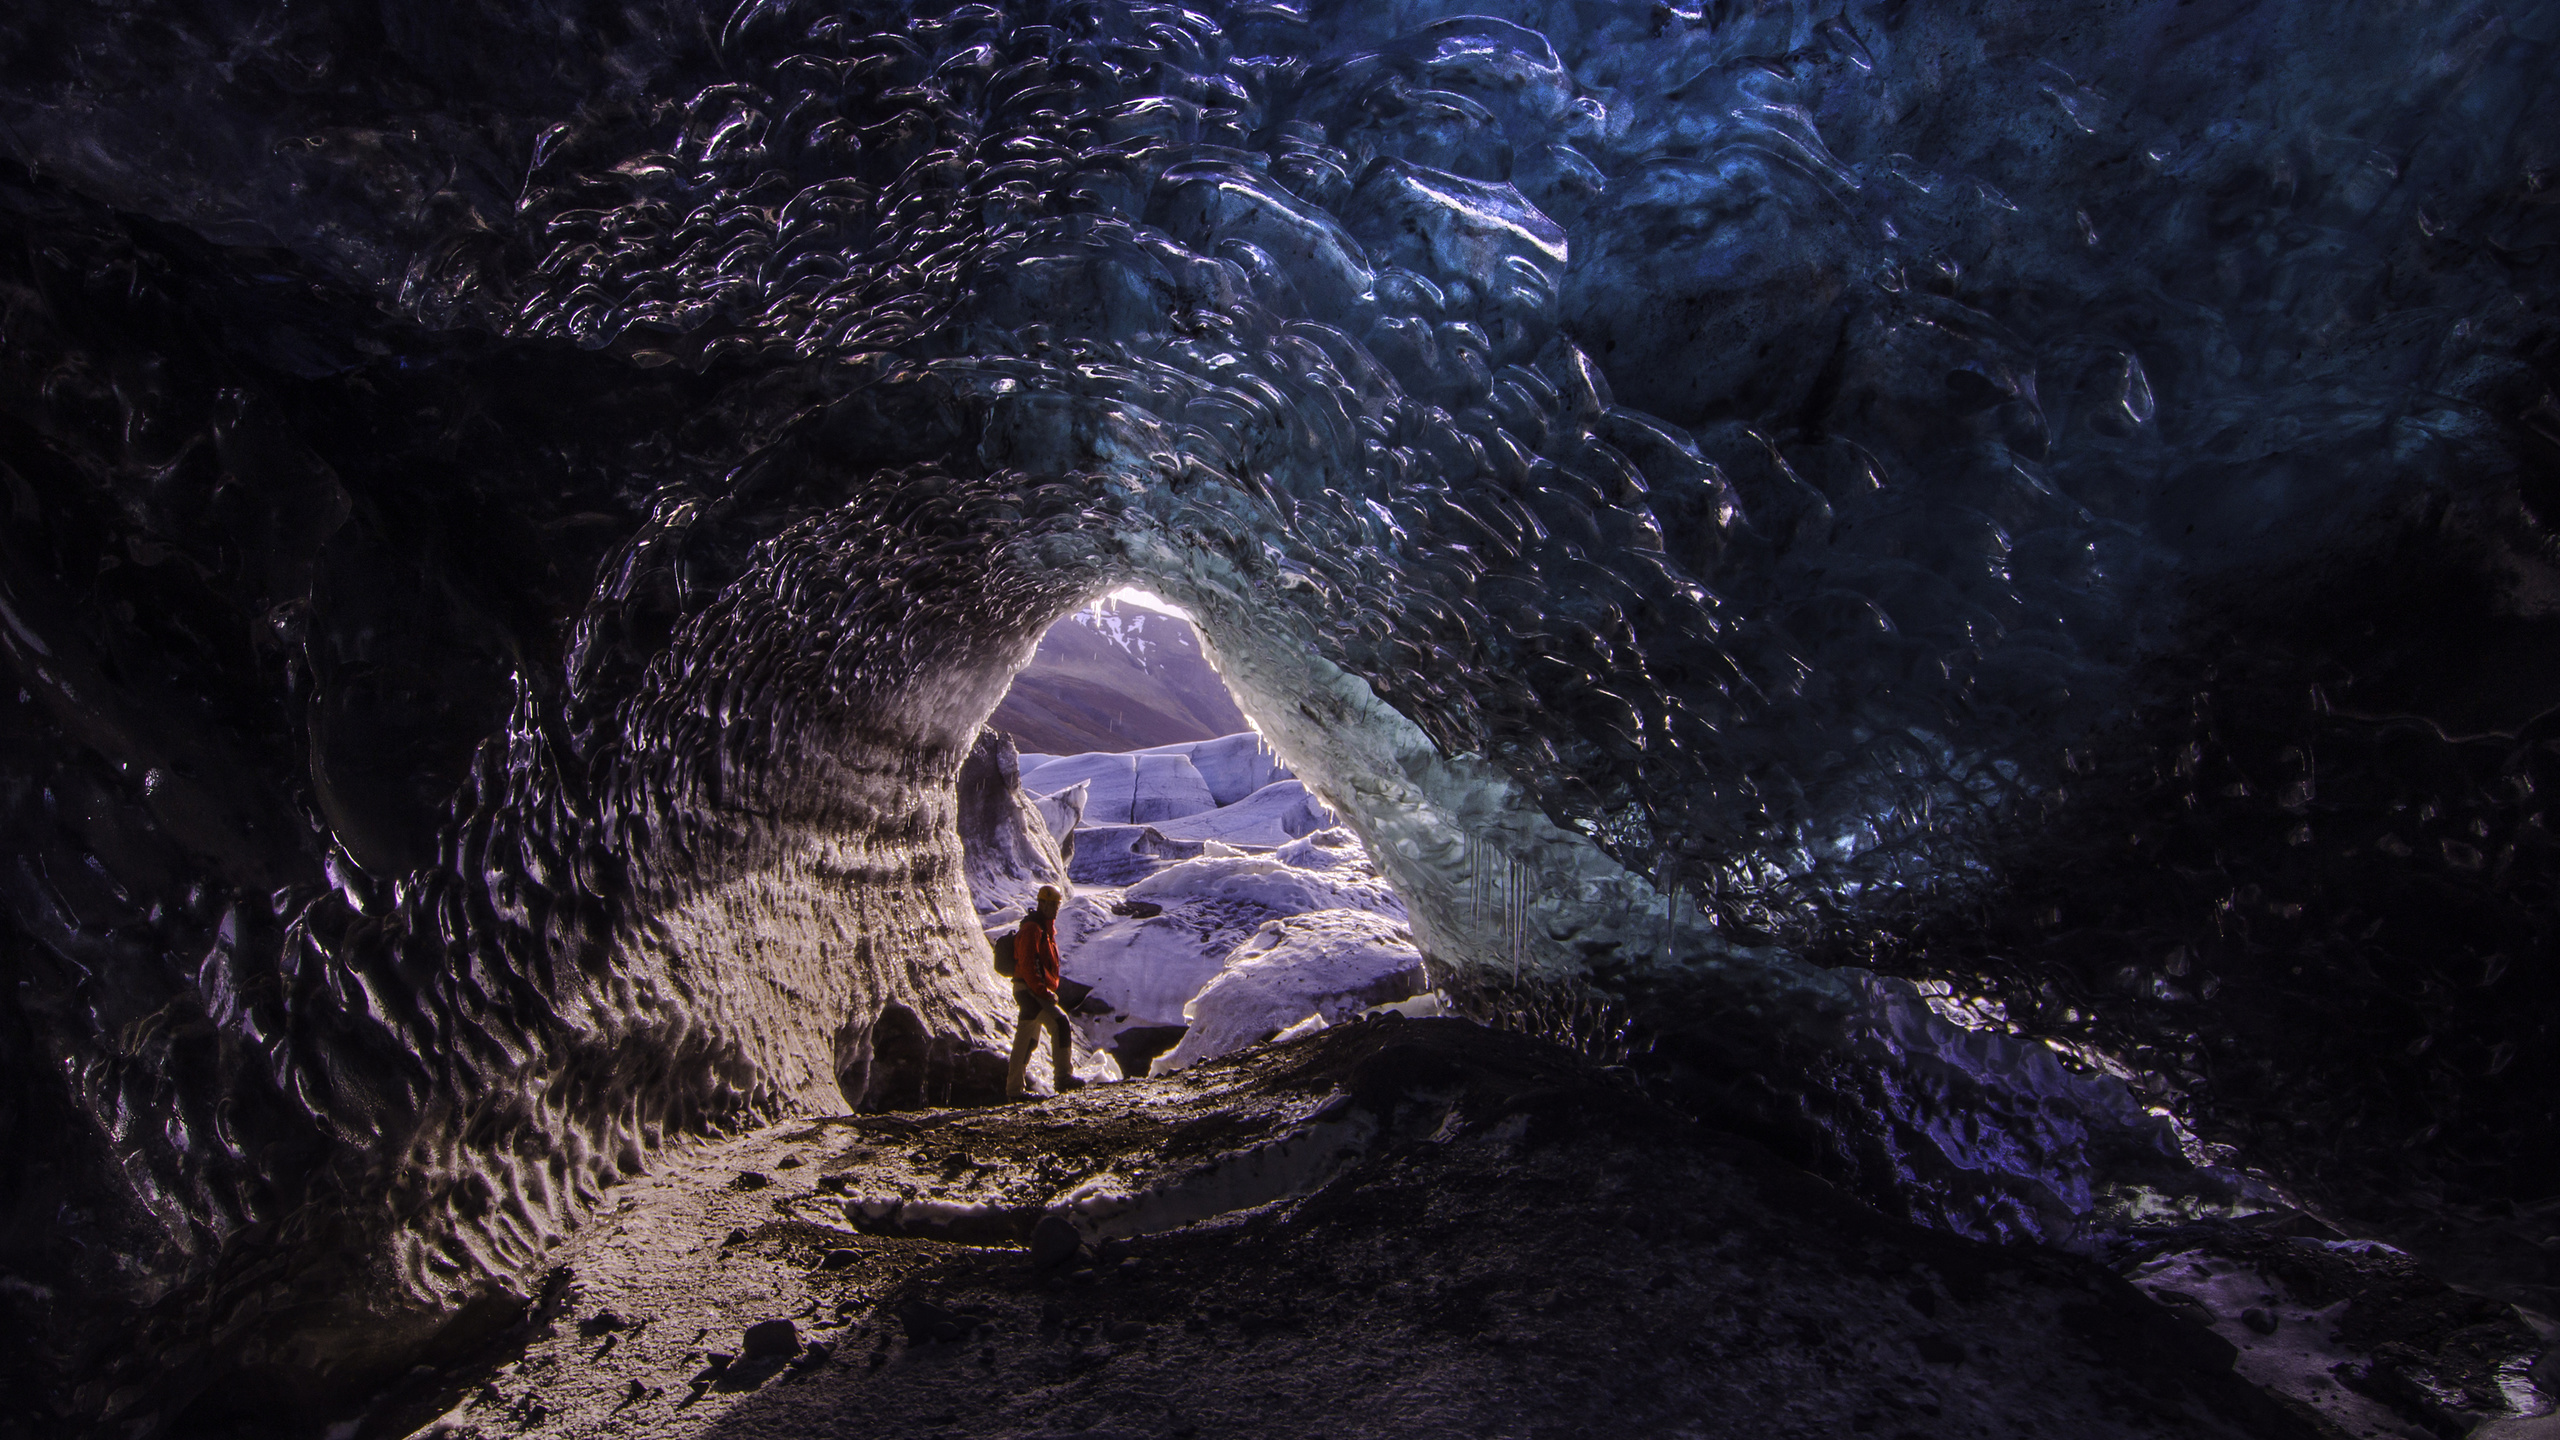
{"points": [[1671, 914], [1475, 882], [1516, 916]]}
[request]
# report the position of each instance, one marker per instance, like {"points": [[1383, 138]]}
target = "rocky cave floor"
{"points": [[1419, 1228]]}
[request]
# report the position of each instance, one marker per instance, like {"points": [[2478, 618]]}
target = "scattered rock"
{"points": [[927, 1321], [2258, 1320], [717, 1361], [838, 1259], [815, 1356], [2185, 1306], [736, 1237], [1054, 1242], [750, 1180], [787, 1162], [770, 1338], [1138, 909], [833, 1184], [603, 1322]]}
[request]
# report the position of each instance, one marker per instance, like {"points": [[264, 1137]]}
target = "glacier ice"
{"points": [[1134, 788], [1325, 965], [514, 522], [1062, 811], [1232, 766], [1203, 934], [1009, 840], [1273, 816]]}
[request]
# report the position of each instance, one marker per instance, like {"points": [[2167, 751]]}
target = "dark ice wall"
{"points": [[515, 515]]}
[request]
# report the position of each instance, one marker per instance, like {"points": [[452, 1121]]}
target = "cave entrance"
{"points": [[1214, 901]]}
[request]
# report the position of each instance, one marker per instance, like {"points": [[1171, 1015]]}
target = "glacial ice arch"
{"points": [[1335, 372]]}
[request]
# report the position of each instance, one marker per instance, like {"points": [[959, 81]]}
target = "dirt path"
{"points": [[1415, 1228]]}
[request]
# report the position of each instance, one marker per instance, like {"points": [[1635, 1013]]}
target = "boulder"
{"points": [[769, 1339]]}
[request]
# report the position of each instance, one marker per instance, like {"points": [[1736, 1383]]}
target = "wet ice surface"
{"points": [[2055, 501]]}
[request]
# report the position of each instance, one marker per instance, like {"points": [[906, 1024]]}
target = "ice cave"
{"points": [[1883, 672]]}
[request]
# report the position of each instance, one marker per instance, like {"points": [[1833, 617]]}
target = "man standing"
{"points": [[1035, 997]]}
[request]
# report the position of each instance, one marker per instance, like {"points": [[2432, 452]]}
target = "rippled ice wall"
{"points": [[518, 513]]}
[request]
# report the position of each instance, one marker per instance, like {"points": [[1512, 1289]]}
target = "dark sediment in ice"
{"points": [[515, 516]]}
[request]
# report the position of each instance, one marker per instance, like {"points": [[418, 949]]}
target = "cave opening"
{"points": [[1213, 900]]}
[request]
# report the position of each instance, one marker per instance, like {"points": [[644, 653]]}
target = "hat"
{"points": [[1049, 894]]}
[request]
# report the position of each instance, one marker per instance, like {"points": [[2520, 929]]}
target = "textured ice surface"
{"points": [[1325, 964], [1191, 907], [1258, 880], [1133, 788], [1126, 854], [1233, 766], [1007, 837], [514, 517], [1063, 810], [1271, 816], [1329, 849], [1149, 966]]}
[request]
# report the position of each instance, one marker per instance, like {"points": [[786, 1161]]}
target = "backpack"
{"points": [[1004, 953]]}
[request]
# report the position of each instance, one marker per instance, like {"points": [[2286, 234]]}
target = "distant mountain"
{"points": [[1116, 677]]}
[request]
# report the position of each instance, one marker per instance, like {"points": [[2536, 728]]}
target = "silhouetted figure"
{"points": [[1035, 997]]}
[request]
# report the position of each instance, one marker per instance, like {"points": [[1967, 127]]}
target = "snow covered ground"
{"points": [[1213, 897]]}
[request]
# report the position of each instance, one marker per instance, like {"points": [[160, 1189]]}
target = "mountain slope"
{"points": [[1116, 677]]}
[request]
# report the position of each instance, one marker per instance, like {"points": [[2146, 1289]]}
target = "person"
{"points": [[1035, 997]]}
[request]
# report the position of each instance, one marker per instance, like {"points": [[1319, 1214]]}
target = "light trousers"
{"points": [[1035, 1012]]}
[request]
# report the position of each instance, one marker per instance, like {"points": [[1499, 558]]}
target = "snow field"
{"points": [[1234, 906], [1322, 966]]}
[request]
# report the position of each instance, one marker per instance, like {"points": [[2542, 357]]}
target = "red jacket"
{"points": [[1035, 954]]}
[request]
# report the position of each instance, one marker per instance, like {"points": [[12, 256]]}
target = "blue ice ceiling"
{"points": [[2053, 500]]}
